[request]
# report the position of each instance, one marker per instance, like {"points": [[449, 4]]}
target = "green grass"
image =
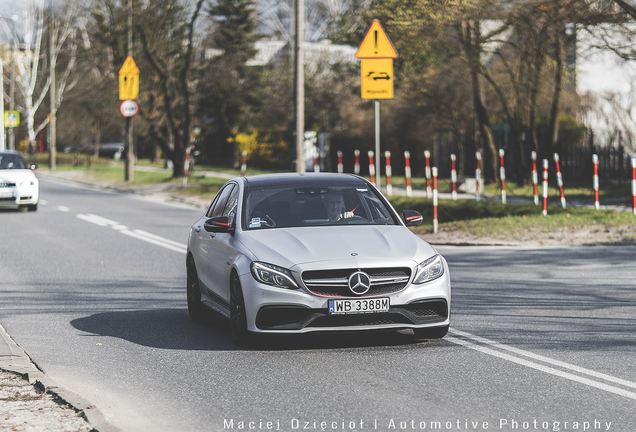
{"points": [[476, 219]]}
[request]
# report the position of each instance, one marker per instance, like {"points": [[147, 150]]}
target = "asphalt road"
{"points": [[93, 289]]}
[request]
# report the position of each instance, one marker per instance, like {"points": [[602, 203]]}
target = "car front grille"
{"points": [[6, 184], [335, 283], [297, 318]]}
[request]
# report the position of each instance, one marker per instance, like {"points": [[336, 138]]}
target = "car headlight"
{"points": [[26, 183], [429, 270], [273, 275]]}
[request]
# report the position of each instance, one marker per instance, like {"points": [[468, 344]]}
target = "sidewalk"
{"points": [[31, 401]]}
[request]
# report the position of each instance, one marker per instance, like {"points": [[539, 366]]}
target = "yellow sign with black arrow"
{"points": [[377, 78], [129, 80]]}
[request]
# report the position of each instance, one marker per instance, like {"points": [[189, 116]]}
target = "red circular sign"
{"points": [[129, 108]]}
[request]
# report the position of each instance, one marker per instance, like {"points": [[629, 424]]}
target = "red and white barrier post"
{"points": [[453, 177], [371, 166], [186, 166], [244, 164], [545, 187], [427, 156], [356, 165], [559, 178], [389, 187], [535, 177], [502, 175], [316, 161], [634, 183], [595, 181], [407, 173], [477, 175], [434, 172], [340, 166]]}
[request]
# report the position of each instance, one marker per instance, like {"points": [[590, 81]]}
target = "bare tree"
{"points": [[32, 80]]}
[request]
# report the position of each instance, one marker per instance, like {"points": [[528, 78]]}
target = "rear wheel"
{"points": [[431, 333], [193, 291], [238, 317]]}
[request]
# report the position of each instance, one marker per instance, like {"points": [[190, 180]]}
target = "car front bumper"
{"points": [[19, 195], [278, 310]]}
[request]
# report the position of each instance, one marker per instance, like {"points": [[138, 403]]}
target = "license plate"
{"points": [[6, 194], [358, 306]]}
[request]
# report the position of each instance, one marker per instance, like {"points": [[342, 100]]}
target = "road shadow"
{"points": [[172, 329]]}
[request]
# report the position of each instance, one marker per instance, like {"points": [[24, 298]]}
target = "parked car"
{"points": [[19, 187], [112, 148], [319, 252]]}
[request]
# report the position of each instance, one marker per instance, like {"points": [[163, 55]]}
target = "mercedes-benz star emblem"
{"points": [[359, 283]]}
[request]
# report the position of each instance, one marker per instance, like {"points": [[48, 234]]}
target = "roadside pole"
{"points": [[376, 53], [377, 142]]}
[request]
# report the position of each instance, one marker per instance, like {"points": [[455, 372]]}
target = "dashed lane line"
{"points": [[135, 233]]}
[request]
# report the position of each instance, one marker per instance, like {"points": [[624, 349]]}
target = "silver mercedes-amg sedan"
{"points": [[298, 253]]}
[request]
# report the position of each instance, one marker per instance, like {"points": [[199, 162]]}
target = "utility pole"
{"points": [[300, 85], [130, 151], [52, 132]]}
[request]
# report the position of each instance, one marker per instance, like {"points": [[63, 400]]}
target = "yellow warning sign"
{"points": [[376, 44], [377, 78], [129, 80]]}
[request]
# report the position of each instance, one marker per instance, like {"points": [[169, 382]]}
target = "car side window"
{"points": [[217, 207], [232, 205]]}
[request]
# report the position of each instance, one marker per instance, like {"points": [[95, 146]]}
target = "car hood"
{"points": [[16, 175], [337, 246]]}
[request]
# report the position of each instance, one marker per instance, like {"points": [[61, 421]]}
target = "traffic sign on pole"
{"points": [[129, 80], [129, 108], [377, 79], [376, 44]]}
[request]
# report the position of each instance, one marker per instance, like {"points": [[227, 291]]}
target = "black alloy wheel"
{"points": [[193, 292], [238, 318]]}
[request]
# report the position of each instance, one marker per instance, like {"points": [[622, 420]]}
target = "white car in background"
{"points": [[298, 253], [19, 187]]}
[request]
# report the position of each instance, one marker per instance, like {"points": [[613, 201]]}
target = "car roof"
{"points": [[13, 152], [300, 179]]}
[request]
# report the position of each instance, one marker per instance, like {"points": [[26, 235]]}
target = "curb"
{"points": [[14, 359]]}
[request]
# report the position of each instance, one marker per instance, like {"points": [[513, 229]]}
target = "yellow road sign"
{"points": [[11, 119], [129, 80], [377, 78], [376, 44]]}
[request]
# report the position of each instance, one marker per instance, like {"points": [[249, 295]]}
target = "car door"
{"points": [[201, 246], [219, 251]]}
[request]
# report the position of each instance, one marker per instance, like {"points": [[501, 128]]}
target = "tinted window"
{"points": [[288, 206], [218, 205], [231, 205], [12, 161]]}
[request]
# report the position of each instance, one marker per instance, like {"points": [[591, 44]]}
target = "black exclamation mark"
{"points": [[376, 41]]}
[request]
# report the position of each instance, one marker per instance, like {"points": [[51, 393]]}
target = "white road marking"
{"points": [[156, 240], [63, 208], [544, 368], [97, 220], [137, 233]]}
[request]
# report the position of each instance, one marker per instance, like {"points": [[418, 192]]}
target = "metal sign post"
{"points": [[376, 72]]}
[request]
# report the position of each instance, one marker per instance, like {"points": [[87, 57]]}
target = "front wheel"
{"points": [[193, 292], [431, 332], [238, 317]]}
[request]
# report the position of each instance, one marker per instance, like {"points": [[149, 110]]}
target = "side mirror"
{"points": [[33, 166], [218, 224], [412, 218]]}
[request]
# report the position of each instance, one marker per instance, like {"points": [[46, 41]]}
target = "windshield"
{"points": [[11, 161], [288, 206]]}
